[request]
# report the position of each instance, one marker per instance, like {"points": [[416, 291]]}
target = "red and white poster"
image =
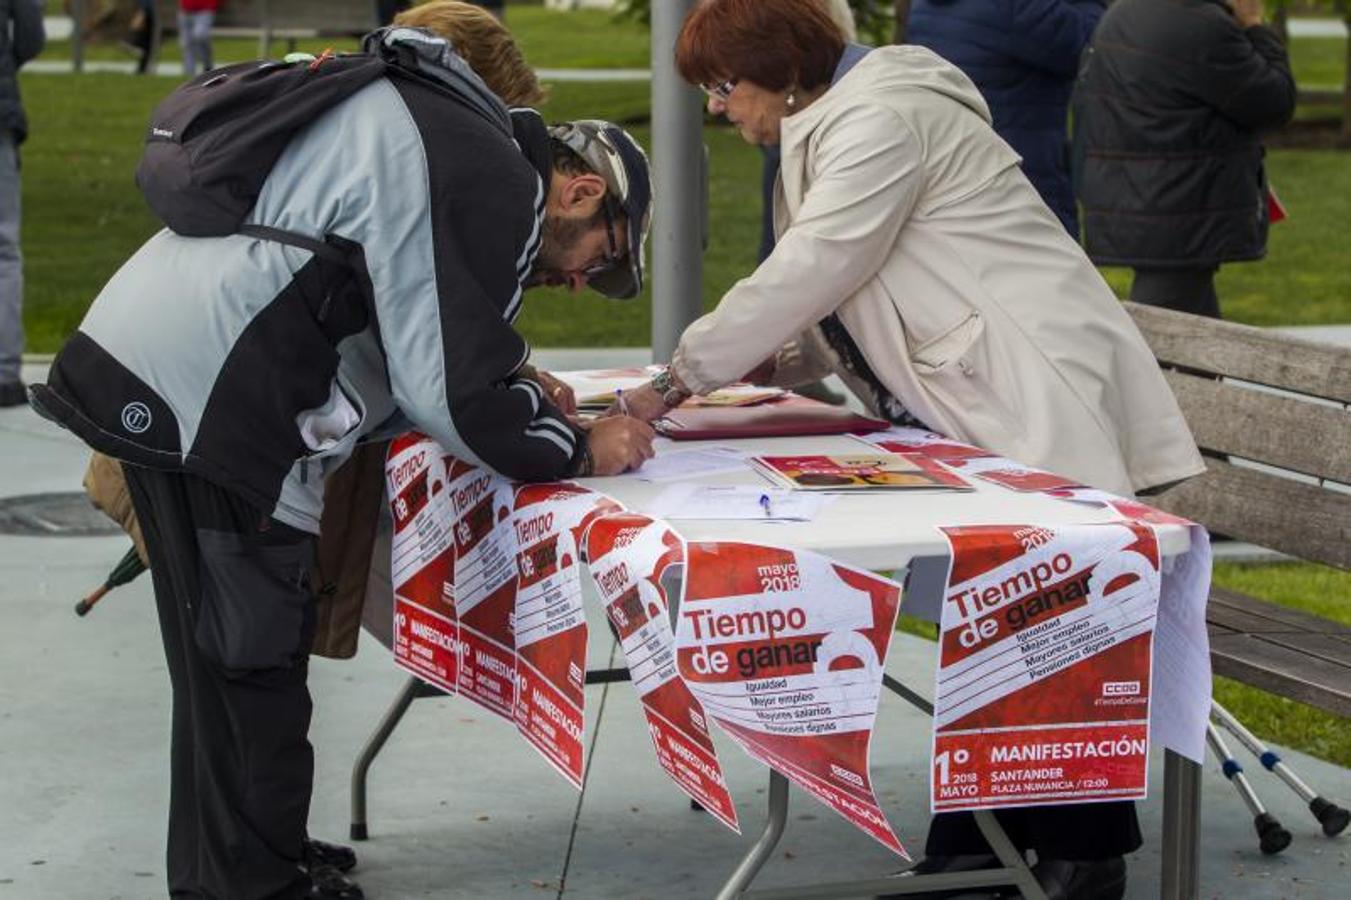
{"points": [[1051, 629], [549, 620], [629, 555], [426, 632], [926, 443], [485, 585], [968, 460], [785, 650]]}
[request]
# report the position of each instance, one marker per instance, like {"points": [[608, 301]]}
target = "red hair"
{"points": [[778, 44]]}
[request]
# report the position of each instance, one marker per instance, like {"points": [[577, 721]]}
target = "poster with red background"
{"points": [[1051, 629], [426, 630], [549, 621], [785, 650], [629, 556]]}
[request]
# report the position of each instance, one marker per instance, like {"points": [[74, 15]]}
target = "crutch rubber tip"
{"points": [[1272, 835], [1333, 818], [358, 831], [82, 608]]}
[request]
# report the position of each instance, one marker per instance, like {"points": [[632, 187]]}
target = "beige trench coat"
{"points": [[903, 212]]}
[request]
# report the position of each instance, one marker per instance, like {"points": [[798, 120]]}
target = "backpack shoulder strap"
{"points": [[296, 239]]}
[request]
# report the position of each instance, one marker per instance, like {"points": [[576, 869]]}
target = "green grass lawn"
{"points": [[1318, 62]]}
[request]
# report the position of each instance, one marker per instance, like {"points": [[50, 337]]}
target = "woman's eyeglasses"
{"points": [[722, 90]]}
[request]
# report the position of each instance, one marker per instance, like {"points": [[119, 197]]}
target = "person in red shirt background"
{"points": [[195, 18]]}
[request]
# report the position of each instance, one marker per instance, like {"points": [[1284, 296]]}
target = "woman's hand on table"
{"points": [[643, 403], [559, 393], [619, 444]]}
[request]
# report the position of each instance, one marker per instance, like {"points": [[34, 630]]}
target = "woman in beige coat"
{"points": [[916, 261]]}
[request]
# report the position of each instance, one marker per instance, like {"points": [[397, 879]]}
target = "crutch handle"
{"points": [[1332, 817]]}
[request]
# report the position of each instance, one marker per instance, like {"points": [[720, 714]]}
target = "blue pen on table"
{"points": [[764, 504]]}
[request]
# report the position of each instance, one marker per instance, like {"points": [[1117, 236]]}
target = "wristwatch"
{"points": [[672, 394]]}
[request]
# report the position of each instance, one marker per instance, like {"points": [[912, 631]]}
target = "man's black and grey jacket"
{"points": [[259, 366]]}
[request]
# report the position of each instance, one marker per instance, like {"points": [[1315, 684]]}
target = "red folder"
{"points": [[789, 417]]}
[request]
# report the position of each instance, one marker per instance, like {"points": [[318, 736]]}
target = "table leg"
{"points": [[1181, 827], [402, 701], [751, 863], [1014, 863]]}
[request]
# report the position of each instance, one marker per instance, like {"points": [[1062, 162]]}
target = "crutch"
{"points": [[1332, 817], [1272, 836]]}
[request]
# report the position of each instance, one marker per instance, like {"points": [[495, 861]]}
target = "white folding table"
{"points": [[886, 531]]}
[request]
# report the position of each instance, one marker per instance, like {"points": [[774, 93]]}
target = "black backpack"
{"points": [[213, 141]]}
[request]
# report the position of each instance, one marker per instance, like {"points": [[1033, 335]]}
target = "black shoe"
{"points": [[13, 393], [335, 856], [937, 865], [1099, 879], [327, 883]]}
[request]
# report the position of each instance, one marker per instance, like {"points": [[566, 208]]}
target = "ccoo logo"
{"points": [[136, 417]]}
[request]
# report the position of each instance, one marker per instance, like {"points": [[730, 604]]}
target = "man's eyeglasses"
{"points": [[722, 90], [613, 258]]}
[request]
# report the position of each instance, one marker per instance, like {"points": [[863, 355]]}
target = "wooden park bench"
{"points": [[1271, 415]]}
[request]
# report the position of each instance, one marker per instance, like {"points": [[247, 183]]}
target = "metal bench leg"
{"points": [[361, 767], [759, 853], [1181, 827], [1014, 862]]}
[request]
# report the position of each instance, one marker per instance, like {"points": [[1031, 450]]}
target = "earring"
{"points": [[791, 99]]}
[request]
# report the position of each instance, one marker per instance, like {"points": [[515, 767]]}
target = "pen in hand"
{"points": [[764, 504], [621, 402]]}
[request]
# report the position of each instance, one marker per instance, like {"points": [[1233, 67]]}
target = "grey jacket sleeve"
{"points": [[1249, 79]]}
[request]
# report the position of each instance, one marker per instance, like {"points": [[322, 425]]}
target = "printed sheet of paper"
{"points": [[928, 443], [674, 465], [485, 585], [785, 650], [426, 629], [968, 460], [629, 555], [550, 622], [1050, 629], [736, 501]]}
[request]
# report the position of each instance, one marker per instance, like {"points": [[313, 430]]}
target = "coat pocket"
{"points": [[951, 347], [957, 372], [256, 609]]}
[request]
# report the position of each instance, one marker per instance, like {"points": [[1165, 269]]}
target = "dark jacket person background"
{"points": [[1023, 56], [1168, 114]]}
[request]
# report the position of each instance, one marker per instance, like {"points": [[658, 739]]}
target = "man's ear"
{"points": [[582, 194]]}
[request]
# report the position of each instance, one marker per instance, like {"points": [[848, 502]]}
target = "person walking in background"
{"points": [[141, 34], [1169, 109], [1024, 57], [195, 18], [21, 39]]}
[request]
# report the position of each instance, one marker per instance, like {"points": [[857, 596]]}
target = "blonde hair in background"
{"points": [[484, 43]]}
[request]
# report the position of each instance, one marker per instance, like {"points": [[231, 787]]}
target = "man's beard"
{"points": [[558, 235]]}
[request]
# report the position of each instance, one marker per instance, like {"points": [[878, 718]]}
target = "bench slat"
{"points": [[1280, 670], [1280, 617], [1303, 520], [1285, 432], [1242, 351]]}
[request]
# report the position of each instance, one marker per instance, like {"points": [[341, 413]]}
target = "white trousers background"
{"points": [[194, 33]]}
